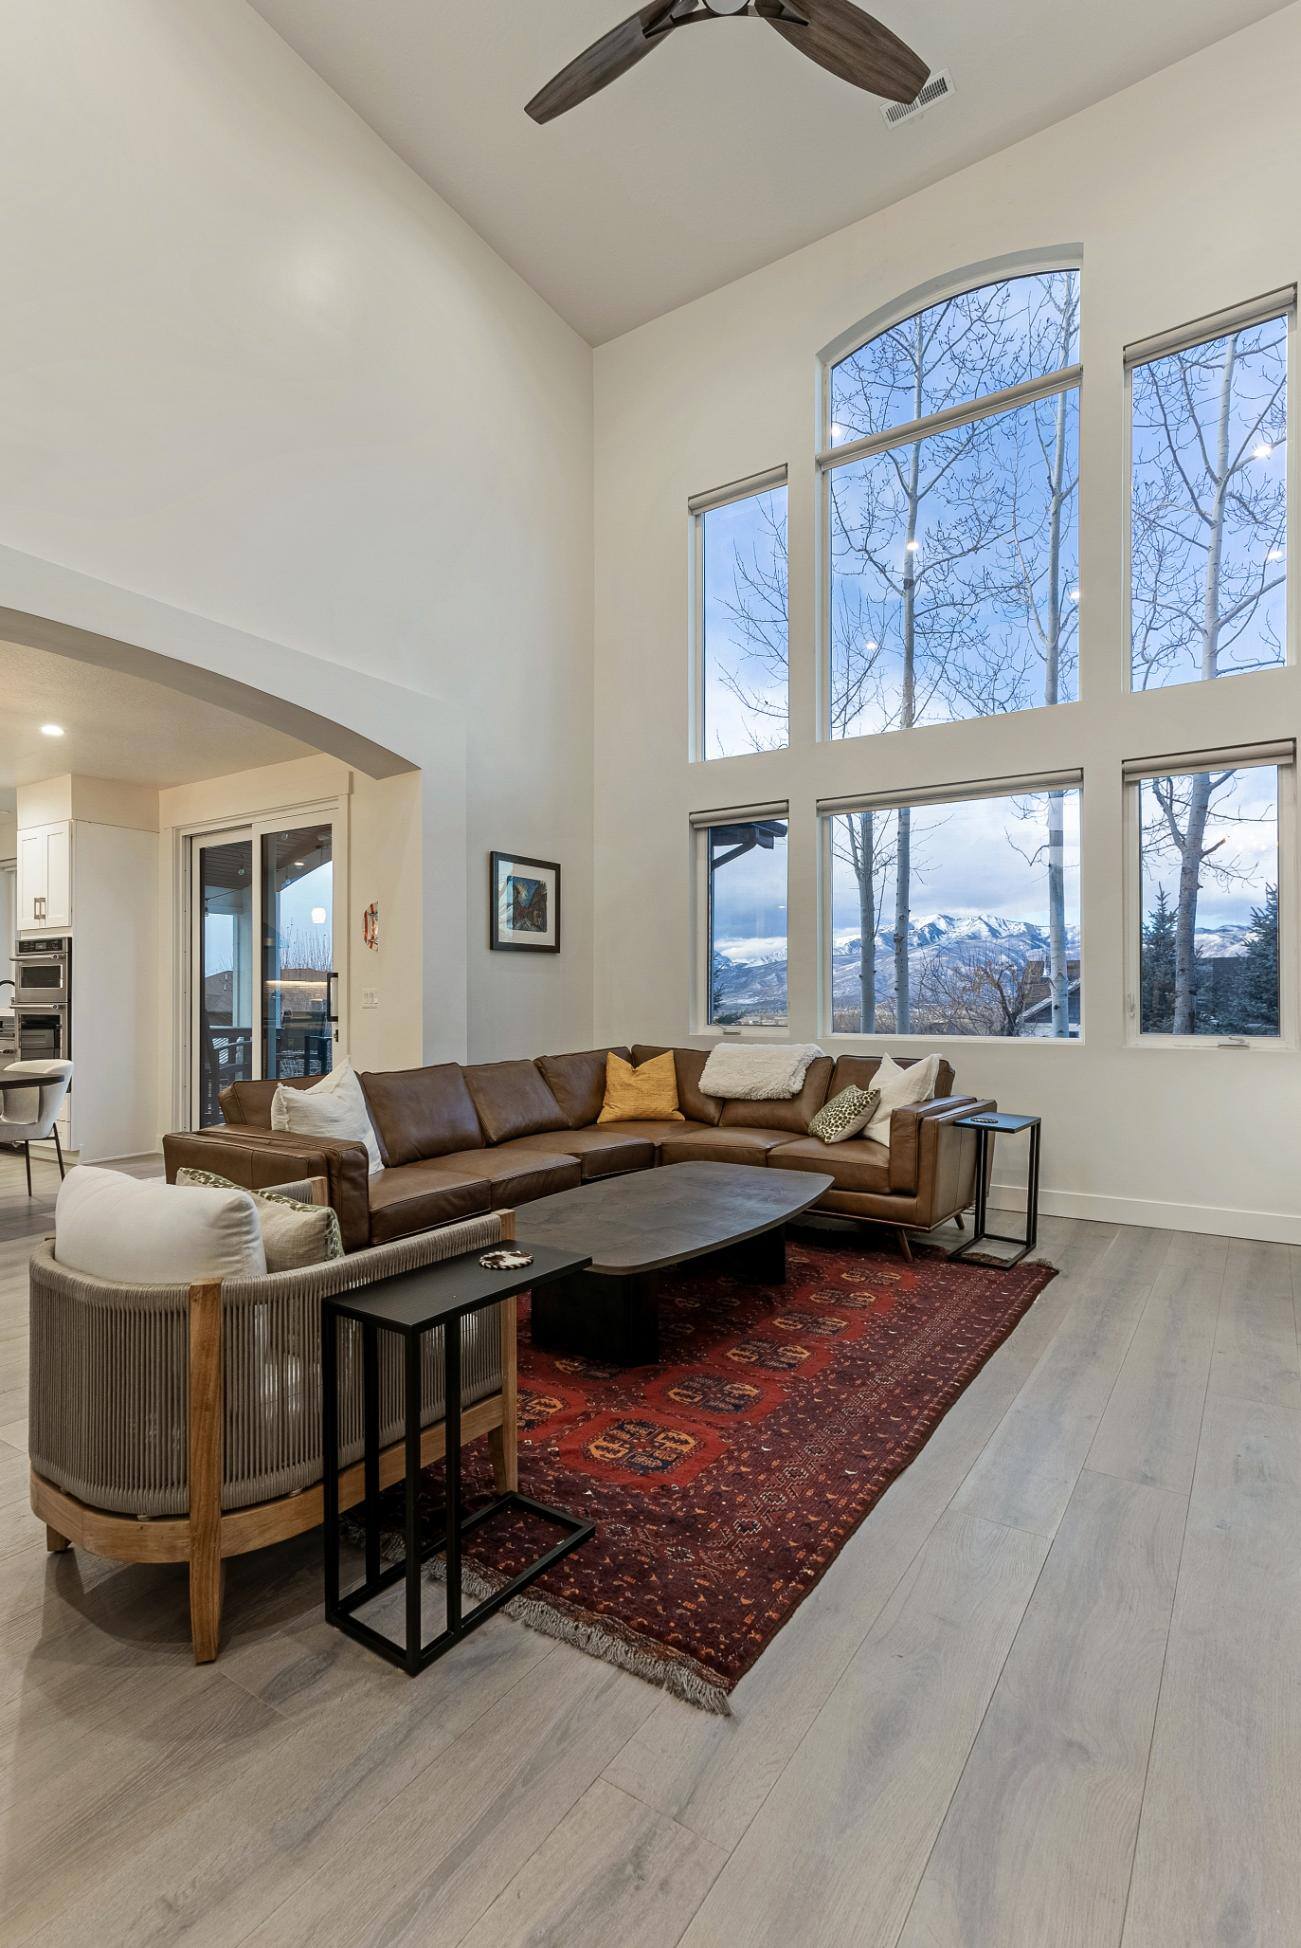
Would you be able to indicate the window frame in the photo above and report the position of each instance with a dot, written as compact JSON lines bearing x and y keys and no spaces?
{"x":702,"y":930}
{"x":963,"y":792}
{"x":1263,"y":310}
{"x":699,"y":506}
{"x":829,"y":458}
{"x":1183,"y":764}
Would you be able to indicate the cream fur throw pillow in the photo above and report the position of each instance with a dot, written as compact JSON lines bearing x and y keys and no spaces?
{"x":900,"y":1088}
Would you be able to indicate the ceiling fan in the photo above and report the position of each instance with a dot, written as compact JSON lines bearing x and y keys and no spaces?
{"x":836,"y":34}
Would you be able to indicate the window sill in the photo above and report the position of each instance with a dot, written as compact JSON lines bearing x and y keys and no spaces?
{"x":1211,"y":1044}
{"x":889,"y":1041}
{"x":716,"y":1034}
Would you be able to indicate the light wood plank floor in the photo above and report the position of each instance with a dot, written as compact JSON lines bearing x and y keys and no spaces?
{"x":1049,"y":1694}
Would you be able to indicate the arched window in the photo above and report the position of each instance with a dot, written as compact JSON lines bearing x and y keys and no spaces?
{"x":951,"y":465}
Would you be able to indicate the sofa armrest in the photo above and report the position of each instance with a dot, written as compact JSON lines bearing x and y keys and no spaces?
{"x":259,"y":1159}
{"x":906,"y":1135}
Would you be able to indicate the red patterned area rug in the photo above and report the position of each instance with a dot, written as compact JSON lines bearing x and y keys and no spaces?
{"x":726,"y":1479}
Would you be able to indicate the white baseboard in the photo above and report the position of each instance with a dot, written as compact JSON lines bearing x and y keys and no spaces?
{"x":1220,"y":1221}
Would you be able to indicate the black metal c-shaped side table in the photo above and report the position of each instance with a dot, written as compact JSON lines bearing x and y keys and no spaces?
{"x":989,"y":1123}
{"x":411,"y":1305}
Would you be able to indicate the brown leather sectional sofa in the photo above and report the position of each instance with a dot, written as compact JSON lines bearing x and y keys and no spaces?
{"x":456,"y":1141}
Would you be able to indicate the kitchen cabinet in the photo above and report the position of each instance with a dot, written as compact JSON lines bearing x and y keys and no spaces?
{"x":45,"y":877}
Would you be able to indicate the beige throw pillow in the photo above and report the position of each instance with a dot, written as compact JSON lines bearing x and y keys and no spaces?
{"x":899,"y":1088}
{"x":335,"y":1106}
{"x":295,"y":1232}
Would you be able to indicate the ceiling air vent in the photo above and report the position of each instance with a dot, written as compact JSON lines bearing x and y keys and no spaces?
{"x":938,"y":88}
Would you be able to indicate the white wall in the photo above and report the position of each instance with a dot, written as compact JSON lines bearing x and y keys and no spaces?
{"x":383,"y":864}
{"x":115,"y":1010}
{"x":252,"y":368}
{"x":1182,"y":204}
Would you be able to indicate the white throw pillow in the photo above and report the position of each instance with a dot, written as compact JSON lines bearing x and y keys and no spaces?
{"x":335,"y":1106}
{"x":899,"y":1089}
{"x":133,"y":1231}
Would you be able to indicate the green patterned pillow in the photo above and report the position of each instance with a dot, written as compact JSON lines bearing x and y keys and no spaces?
{"x":847,"y":1114}
{"x":295,"y":1232}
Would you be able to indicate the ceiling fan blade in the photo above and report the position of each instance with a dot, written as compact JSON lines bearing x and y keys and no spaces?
{"x":604,"y":61}
{"x":843,"y":39}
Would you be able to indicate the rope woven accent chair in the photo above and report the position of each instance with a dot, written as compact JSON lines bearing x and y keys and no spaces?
{"x":182,"y":1423}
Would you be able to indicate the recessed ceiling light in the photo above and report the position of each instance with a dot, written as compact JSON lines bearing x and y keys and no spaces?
{"x":51,"y":730}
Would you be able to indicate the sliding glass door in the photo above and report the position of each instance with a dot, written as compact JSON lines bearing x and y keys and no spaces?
{"x":222,"y":985}
{"x":300,"y":980}
{"x":267,"y":954}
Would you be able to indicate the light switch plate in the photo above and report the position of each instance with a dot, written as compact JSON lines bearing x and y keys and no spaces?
{"x":370,"y":997}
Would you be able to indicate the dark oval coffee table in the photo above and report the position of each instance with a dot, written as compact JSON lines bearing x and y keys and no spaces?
{"x":633,"y":1227}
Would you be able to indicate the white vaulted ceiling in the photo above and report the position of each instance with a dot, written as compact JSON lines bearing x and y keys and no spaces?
{"x":722,"y":150}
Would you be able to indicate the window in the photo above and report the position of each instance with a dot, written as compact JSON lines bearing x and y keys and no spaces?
{"x":951,"y":472}
{"x":958,"y":917}
{"x":743,"y":862}
{"x":1208,"y":883}
{"x":1208,"y":504}
{"x":742,"y":610}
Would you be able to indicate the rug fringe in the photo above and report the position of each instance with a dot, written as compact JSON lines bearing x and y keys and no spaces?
{"x":612,"y":1643}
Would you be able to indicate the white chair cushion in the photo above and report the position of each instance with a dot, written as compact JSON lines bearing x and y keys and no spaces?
{"x":900,"y":1088}
{"x":132,"y":1231}
{"x":335,"y":1106}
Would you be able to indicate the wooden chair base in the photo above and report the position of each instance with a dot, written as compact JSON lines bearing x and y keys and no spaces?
{"x":170,"y":1538}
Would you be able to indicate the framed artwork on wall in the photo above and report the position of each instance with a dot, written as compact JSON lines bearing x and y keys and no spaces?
{"x":524,"y":904}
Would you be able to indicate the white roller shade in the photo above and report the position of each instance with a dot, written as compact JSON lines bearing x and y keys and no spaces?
{"x":1244,"y":757}
{"x":737,"y":490}
{"x":872,"y":801}
{"x":740,"y":815}
{"x":1256,"y":311}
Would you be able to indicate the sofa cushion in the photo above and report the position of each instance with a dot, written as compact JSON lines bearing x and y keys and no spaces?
{"x":421,"y":1113}
{"x":600,"y":1152}
{"x":861,"y":1071}
{"x":134,"y":1231}
{"x":512,"y":1099}
{"x":516,"y":1176}
{"x":578,"y":1082}
{"x":652,"y":1133}
{"x":420,"y":1196}
{"x":855,"y":1164}
{"x":695,"y":1105}
{"x":721,"y":1146}
{"x":794,"y":1114}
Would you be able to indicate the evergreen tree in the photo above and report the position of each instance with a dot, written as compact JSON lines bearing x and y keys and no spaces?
{"x":1156,"y":987}
{"x":1260,"y":991}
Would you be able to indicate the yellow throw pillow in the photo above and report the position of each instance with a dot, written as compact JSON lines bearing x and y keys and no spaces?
{"x":648,"y":1094}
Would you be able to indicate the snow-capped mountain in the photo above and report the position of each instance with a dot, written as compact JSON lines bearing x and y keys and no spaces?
{"x":749,"y":976}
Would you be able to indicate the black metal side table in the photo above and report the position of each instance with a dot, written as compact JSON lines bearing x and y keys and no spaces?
{"x":988,"y":1124}
{"x":410,"y":1306}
